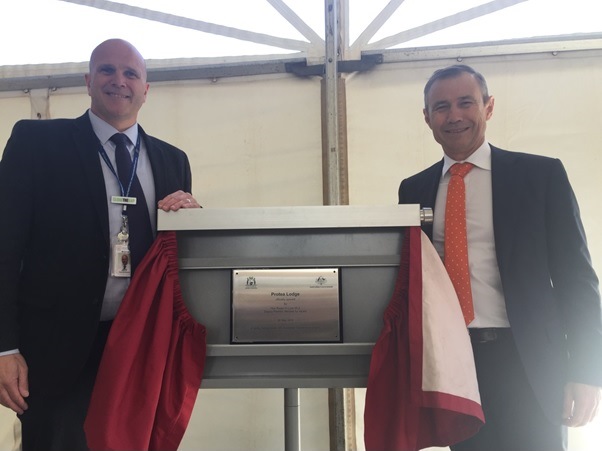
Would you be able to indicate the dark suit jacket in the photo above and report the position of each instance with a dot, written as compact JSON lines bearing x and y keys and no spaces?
{"x":551,"y":290}
{"x":54,"y":242}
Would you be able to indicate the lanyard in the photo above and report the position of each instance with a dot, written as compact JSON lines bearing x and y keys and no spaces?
{"x":105,"y":157}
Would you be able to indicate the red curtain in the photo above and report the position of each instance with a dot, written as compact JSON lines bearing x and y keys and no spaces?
{"x":153,"y":362}
{"x":421,"y":394}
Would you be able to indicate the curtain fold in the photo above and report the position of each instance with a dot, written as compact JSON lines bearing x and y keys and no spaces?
{"x":422,"y":388}
{"x":153,"y":362}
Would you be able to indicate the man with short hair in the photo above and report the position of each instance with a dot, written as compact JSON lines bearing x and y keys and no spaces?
{"x":534,"y":314}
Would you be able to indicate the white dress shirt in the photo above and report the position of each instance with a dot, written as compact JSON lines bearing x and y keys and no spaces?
{"x":487,"y":293}
{"x":116,"y":286}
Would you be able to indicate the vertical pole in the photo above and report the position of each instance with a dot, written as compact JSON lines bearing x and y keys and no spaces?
{"x":330,"y":104}
{"x":336,"y":417}
{"x":334,"y":107}
{"x":292,"y":437}
{"x":39,"y":100}
{"x":334,"y":161}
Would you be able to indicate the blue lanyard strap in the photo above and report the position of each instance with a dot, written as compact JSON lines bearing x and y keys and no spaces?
{"x":105,"y":157}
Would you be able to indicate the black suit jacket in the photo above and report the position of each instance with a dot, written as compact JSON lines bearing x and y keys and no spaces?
{"x":550,"y":288}
{"x":54,"y":242}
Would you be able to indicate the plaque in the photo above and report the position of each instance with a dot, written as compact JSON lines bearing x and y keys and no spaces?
{"x":286,"y":305}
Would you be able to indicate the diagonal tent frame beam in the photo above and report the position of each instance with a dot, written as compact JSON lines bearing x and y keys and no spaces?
{"x":441,"y":24}
{"x":207,"y":27}
{"x":316,"y":44}
{"x":382,"y":17}
{"x":285,"y":11}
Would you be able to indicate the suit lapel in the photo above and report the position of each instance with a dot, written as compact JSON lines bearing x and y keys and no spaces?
{"x":86,"y":144}
{"x":432,"y":185}
{"x":505,"y":211}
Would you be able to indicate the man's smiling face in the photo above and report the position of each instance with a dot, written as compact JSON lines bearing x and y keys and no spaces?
{"x":117,"y":83}
{"x":457,"y":114}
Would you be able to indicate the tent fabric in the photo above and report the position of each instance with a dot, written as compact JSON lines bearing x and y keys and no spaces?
{"x":152,"y":365}
{"x":422,"y":389}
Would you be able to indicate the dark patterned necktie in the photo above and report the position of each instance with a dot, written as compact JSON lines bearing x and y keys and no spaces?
{"x":140,"y":232}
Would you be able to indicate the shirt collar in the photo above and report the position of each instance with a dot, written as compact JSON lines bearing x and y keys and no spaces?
{"x":481,"y":158}
{"x":104,"y":130}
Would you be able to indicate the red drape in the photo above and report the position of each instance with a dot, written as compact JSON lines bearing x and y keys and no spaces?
{"x":153,"y":362}
{"x":422,"y":389}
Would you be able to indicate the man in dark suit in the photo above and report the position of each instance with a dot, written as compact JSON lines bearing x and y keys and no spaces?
{"x":537,"y":327}
{"x":63,"y":241}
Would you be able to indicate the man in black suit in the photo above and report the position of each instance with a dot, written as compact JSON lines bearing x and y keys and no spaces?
{"x":61,"y":252}
{"x":537,"y":328}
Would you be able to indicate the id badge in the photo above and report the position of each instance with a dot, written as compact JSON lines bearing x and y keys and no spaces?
{"x":122,"y":262}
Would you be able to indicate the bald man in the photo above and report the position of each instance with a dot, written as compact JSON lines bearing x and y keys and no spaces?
{"x":64,"y":237}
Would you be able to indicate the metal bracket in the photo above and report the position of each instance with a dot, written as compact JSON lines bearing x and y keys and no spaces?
{"x":367,"y":62}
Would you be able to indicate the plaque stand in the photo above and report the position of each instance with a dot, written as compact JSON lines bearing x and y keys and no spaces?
{"x":363,"y":243}
{"x":292,"y":420}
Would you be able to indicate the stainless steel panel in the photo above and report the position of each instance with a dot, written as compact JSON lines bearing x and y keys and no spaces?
{"x":312,"y":217}
{"x":286,"y":305}
{"x":366,"y":257}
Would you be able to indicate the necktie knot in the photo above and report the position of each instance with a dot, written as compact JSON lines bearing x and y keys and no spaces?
{"x":460,"y":169}
{"x":122,"y":158}
{"x":120,"y":139}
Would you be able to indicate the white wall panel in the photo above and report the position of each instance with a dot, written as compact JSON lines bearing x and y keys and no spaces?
{"x":251,"y":141}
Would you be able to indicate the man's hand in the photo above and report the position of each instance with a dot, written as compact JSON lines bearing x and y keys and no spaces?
{"x":14,"y":386}
{"x":581,"y":403}
{"x":177,"y":200}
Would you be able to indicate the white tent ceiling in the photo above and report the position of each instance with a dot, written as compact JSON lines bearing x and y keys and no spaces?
{"x":57,"y":31}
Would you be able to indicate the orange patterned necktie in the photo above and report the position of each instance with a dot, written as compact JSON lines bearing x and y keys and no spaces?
{"x":456,"y":246}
